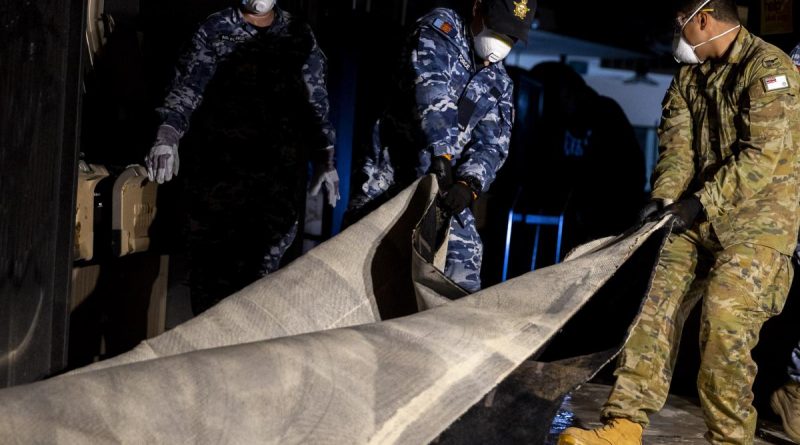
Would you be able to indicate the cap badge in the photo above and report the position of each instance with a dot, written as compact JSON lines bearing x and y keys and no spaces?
{"x":521,"y":9}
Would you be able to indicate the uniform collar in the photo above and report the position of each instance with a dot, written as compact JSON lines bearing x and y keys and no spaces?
{"x":278,"y":24}
{"x":733,"y":56}
{"x":466,"y":33}
{"x":737,"y":49}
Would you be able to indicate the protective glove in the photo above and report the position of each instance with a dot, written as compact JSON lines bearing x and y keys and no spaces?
{"x":457,"y":198}
{"x":443,"y":169}
{"x":330,"y":180}
{"x":652,"y":211}
{"x":685,"y":212}
{"x":163,"y":162}
{"x":325,"y":174}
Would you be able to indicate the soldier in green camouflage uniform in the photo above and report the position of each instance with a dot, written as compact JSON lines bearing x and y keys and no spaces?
{"x":728,"y":172}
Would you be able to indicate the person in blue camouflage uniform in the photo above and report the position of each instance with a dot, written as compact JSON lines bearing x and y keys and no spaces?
{"x":786,"y":400}
{"x":452,"y":116}
{"x":253,"y":86}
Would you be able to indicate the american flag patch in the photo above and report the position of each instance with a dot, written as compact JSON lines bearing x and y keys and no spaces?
{"x":772,"y":83}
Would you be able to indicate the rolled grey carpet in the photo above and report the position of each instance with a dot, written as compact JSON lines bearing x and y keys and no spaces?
{"x":302,"y":356}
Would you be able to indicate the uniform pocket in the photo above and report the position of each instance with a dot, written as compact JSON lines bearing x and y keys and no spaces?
{"x":765,"y":276}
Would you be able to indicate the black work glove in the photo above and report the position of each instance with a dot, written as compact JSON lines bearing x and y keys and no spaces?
{"x":457,"y":198}
{"x":652,"y":211}
{"x":443,"y":169}
{"x":685,"y":212}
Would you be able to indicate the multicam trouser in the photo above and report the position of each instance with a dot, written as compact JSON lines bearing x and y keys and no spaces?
{"x":741,"y":287}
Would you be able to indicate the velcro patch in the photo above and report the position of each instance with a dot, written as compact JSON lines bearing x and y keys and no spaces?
{"x":773,"y":83}
{"x":770,"y":63}
{"x":445,"y":27}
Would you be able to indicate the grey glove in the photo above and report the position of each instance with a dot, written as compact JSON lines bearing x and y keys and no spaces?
{"x":163,"y":162}
{"x":325,"y":174}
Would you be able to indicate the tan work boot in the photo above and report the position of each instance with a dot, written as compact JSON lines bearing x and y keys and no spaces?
{"x":786,"y":403}
{"x":615,"y":432}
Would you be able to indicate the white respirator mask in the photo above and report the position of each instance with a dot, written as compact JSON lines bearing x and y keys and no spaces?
{"x":258,"y":6}
{"x":492,"y":46}
{"x":682,"y":50}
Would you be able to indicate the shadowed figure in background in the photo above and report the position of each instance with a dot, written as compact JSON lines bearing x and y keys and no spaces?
{"x":589,"y":162}
{"x":261,"y":79}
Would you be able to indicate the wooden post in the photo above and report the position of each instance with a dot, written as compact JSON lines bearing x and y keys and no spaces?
{"x":40,"y":90}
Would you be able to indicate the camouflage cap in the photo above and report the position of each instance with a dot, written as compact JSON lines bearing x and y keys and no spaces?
{"x":511,"y":17}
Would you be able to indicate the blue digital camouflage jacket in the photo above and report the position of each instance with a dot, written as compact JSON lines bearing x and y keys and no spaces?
{"x":225,"y":34}
{"x":448,"y":104}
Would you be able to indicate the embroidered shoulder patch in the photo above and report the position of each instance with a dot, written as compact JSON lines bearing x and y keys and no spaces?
{"x":445,"y":27}
{"x":770,"y":63}
{"x":774,"y":83}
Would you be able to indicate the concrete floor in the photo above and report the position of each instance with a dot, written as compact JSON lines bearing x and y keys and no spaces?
{"x":680,"y":422}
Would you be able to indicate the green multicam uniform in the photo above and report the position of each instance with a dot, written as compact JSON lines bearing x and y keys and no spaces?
{"x":728,"y":135}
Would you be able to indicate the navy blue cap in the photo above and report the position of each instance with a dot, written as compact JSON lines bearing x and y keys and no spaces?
{"x":511,"y":17}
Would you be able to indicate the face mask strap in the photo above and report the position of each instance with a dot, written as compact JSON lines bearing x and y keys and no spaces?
{"x":716,"y":37}
{"x":696,"y":11}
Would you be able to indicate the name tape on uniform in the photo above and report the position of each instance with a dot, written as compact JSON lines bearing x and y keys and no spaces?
{"x":463,"y":61}
{"x":772,"y":83}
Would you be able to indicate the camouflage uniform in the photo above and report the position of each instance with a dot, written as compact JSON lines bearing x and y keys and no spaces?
{"x":264,"y":111}
{"x":730,"y":138}
{"x":447,"y":104}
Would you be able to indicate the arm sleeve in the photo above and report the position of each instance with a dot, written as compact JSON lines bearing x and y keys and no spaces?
{"x":315,"y":72}
{"x":765,"y":118}
{"x":675,"y":168}
{"x":433,"y":60}
{"x":194,"y":70}
{"x":491,"y":136}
